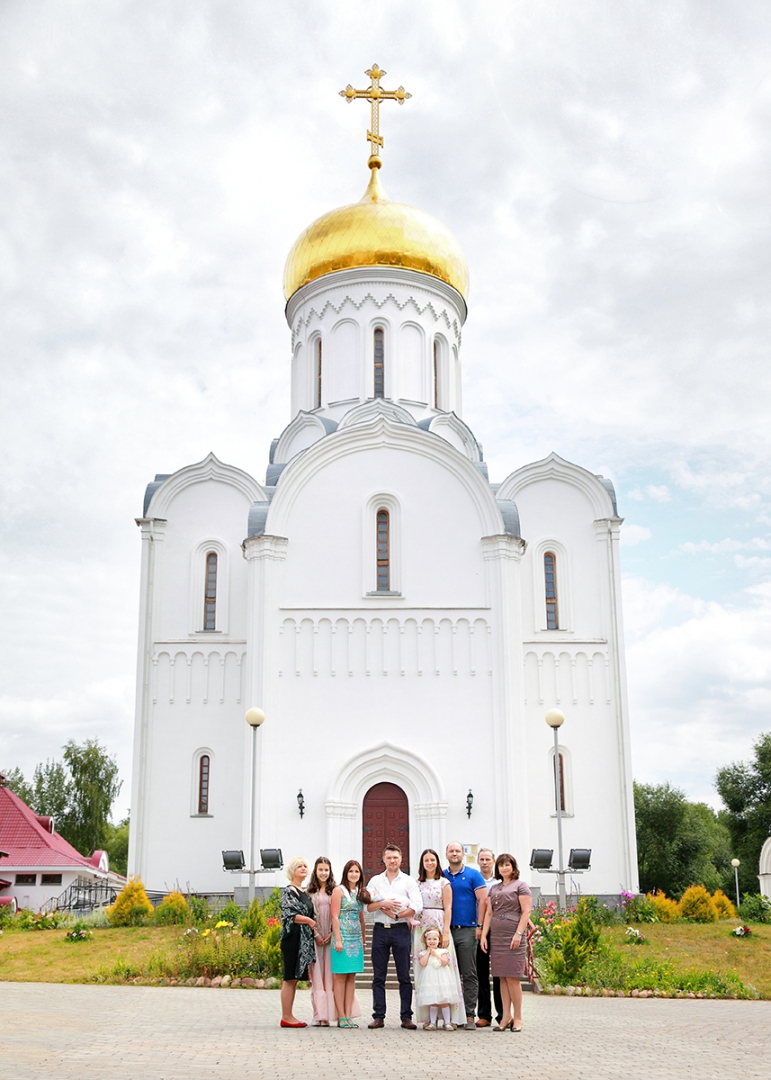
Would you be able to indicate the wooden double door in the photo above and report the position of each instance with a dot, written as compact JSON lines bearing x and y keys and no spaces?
{"x":385,"y":820}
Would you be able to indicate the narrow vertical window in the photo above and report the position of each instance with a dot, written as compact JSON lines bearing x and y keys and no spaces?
{"x":383,"y":558}
{"x":436,"y":374}
{"x":318,"y":373}
{"x":203,"y":784}
{"x":562,"y":782}
{"x":550,"y":583}
{"x":379,"y":366}
{"x":210,"y":599}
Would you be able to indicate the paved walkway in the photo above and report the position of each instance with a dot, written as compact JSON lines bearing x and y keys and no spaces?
{"x":179,"y":1033}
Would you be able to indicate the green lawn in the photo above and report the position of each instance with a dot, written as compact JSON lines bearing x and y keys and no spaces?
{"x":44,"y":956}
{"x":709,"y":945}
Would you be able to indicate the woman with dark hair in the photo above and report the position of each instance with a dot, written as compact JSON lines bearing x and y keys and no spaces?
{"x":504,"y":934}
{"x":320,"y":889}
{"x":436,"y":892}
{"x":297,"y":929}
{"x":349,"y":931}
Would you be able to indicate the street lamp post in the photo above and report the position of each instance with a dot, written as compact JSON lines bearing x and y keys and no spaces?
{"x":736,"y":864}
{"x":555,"y":719}
{"x":254,"y":718}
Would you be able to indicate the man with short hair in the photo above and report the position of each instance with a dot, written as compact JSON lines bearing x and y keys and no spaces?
{"x":469,"y":895}
{"x":486,"y":864}
{"x":395,"y":900}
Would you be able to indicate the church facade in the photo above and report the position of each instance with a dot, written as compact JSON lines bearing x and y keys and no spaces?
{"x":403,"y":621}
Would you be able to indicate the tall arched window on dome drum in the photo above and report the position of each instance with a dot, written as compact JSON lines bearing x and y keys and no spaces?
{"x":563,"y":807}
{"x":383,"y":552}
{"x":379,"y":363}
{"x":318,"y":373}
{"x":204,"y":769}
{"x":550,"y":586}
{"x":436,"y":374}
{"x":210,"y":594}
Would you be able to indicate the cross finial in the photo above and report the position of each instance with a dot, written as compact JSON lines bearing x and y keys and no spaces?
{"x":375,"y":94}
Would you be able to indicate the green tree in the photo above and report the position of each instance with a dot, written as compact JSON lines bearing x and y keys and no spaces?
{"x":93,"y":788}
{"x":14,"y":779}
{"x":51,"y":791}
{"x":745,"y":788}
{"x":679,"y":843}
{"x":117,"y":846}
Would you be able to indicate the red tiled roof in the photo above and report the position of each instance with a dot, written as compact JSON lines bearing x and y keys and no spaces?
{"x":27,"y":842}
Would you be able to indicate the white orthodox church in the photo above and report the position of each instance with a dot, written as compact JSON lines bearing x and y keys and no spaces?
{"x":403,"y":621}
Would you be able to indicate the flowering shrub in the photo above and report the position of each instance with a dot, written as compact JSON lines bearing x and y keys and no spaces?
{"x":755,"y":908}
{"x":696,"y":905}
{"x":741,"y":931}
{"x":632,"y":936}
{"x":636,"y":908}
{"x":43,"y":920}
{"x":79,"y":932}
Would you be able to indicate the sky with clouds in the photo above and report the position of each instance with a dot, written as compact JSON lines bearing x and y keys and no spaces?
{"x":606,"y":167}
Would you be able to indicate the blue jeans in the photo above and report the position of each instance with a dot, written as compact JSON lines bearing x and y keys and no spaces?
{"x":396,"y":940}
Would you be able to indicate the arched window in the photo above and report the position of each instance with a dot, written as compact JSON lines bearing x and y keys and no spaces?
{"x":436,"y":374}
{"x":210,"y":596}
{"x":383,"y":555}
{"x":550,"y":584}
{"x":318,"y":373}
{"x":204,"y":768}
{"x":379,"y":364}
{"x":563,"y":807}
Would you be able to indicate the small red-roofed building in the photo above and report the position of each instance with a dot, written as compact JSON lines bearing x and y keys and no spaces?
{"x":38,"y":866}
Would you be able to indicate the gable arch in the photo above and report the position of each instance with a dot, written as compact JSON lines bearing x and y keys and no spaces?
{"x":554,"y":467}
{"x":211,"y":468}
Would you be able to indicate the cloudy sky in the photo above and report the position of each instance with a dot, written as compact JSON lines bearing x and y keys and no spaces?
{"x":606,"y":167}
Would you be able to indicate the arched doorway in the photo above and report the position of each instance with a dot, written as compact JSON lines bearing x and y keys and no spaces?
{"x":385,"y":817}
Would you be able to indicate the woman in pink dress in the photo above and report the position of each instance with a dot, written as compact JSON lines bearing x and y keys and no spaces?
{"x":320,"y":891}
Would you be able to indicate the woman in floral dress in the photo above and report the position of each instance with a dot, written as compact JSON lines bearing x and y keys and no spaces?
{"x":348,"y":930}
{"x":437,"y":912}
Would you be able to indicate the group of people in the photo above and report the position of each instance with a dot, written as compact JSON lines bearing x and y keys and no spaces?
{"x":457,"y":927}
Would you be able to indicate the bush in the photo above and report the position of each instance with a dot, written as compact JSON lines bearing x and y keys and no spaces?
{"x":199,"y":909}
{"x":636,"y":908}
{"x":80,"y":932}
{"x":571,"y":943}
{"x":755,"y":908}
{"x":725,"y":909}
{"x":231,"y":912}
{"x":132,"y":907}
{"x":29,"y":920}
{"x":602,"y":914}
{"x":667,"y":911}
{"x":696,"y":905}
{"x":171,"y":910}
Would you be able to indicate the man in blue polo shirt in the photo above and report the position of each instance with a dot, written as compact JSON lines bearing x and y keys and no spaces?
{"x":469,"y":895}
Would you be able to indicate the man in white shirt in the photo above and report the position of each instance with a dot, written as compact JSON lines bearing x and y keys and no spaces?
{"x":395,"y":900}
{"x":486,"y":864}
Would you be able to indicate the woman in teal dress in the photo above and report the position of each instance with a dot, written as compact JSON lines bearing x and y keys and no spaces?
{"x":348,"y":929}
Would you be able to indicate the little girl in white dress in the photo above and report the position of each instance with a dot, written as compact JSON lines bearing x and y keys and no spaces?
{"x":435,"y":982}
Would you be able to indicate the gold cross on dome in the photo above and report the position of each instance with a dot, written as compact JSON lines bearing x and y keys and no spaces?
{"x":375,"y":94}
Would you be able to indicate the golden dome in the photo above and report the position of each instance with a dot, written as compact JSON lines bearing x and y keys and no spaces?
{"x":375,"y":232}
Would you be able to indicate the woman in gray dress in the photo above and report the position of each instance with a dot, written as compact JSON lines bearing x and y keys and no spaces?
{"x":504,"y":935}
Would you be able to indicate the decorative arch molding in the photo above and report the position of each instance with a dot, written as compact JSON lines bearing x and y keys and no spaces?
{"x":211,"y":468}
{"x":198,"y":586}
{"x":300,"y":433}
{"x":396,"y":765}
{"x":382,"y":431}
{"x":554,"y":467}
{"x":536,"y":551}
{"x":371,"y":410}
{"x":195,"y":785}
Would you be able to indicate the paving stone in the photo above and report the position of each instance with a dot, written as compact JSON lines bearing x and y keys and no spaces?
{"x":181,"y":1033}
